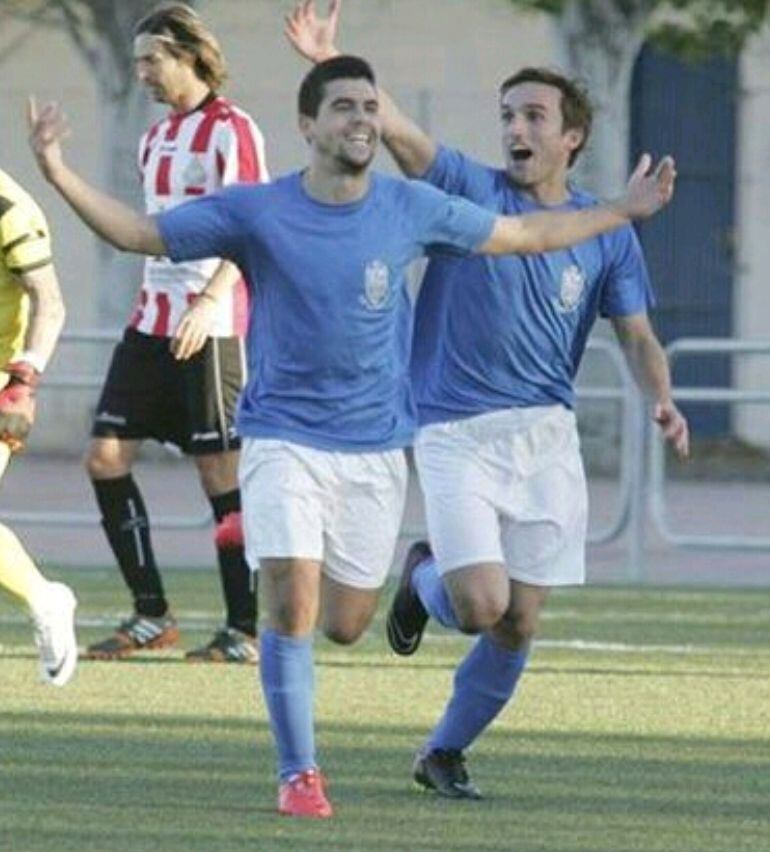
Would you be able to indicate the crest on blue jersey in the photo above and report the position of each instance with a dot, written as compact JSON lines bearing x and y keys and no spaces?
{"x":376,"y":286}
{"x":573,"y":282}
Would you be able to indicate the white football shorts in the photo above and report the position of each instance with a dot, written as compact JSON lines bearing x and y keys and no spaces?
{"x":341,"y":509}
{"x":507,"y":487}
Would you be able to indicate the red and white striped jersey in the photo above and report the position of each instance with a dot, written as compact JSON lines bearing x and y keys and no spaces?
{"x":181,"y":157}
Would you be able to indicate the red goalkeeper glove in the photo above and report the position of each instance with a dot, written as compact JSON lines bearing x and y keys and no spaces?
{"x":17,"y":404}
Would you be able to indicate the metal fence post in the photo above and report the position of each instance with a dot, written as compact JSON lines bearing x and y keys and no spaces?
{"x":637,"y":508}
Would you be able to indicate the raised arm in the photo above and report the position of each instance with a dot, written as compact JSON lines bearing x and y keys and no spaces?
{"x":112,"y":220}
{"x":315,"y":39}
{"x":648,"y":363}
{"x":647,"y":192}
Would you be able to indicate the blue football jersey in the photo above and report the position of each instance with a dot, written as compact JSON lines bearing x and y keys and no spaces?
{"x":330,"y":326}
{"x":500,"y":332}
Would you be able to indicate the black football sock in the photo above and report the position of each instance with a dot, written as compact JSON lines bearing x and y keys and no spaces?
{"x":234,"y":573}
{"x":125,"y":522}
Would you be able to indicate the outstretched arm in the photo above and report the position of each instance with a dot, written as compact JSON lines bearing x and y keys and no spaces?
{"x":110,"y":219}
{"x":315,"y":39}
{"x":649,"y":366}
{"x":646,"y":193}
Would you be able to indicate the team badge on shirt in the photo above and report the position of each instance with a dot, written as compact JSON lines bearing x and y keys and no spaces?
{"x":194,"y":173}
{"x":573,"y":282}
{"x":376,"y":286}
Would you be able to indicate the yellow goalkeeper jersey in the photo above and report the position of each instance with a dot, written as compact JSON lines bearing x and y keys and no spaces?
{"x":25,"y":245}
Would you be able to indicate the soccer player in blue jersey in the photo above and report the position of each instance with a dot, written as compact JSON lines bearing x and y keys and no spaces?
{"x":328,"y":406}
{"x":497,"y":344}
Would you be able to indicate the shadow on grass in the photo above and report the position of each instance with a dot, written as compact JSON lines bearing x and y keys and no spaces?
{"x":107,"y":782}
{"x":447,"y":663}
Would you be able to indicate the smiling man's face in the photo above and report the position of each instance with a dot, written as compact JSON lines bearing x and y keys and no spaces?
{"x":346,"y":131}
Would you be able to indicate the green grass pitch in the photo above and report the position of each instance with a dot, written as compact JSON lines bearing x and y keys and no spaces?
{"x":642,"y":723}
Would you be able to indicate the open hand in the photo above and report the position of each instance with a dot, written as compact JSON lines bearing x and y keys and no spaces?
{"x":311,"y":36}
{"x":47,"y":128}
{"x":674,"y":427}
{"x":194,"y":329}
{"x":648,"y":190}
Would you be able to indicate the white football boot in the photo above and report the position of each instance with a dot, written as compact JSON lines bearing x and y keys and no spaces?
{"x":54,"y":621}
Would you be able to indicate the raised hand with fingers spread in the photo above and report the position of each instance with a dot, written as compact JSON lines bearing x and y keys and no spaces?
{"x":311,"y":36}
{"x":47,"y":128}
{"x":648,"y":190}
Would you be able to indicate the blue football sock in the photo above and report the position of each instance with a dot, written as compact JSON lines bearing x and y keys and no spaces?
{"x":483,"y":683}
{"x":286,"y":670}
{"x":431,"y":591}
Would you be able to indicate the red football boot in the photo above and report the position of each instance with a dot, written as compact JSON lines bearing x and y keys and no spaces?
{"x":304,"y":795}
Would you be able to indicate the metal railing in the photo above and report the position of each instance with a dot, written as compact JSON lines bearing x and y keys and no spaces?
{"x":628,"y":505}
{"x":92,"y":381}
{"x":627,"y":395}
{"x":658,"y":503}
{"x":631,"y":505}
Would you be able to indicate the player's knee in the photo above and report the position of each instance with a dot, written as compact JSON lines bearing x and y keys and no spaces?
{"x":292,"y":616}
{"x":516,"y":629}
{"x":101,"y":467}
{"x":344,"y":627}
{"x":343,"y":634}
{"x":229,"y":532}
{"x":480,"y":610}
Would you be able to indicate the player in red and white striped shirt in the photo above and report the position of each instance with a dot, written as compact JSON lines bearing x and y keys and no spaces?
{"x":183,"y":156}
{"x":204,"y":143}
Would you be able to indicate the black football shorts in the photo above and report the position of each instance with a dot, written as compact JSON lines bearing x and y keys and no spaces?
{"x":149,"y":394}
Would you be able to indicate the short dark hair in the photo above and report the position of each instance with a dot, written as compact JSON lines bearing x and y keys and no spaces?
{"x":311,"y":91}
{"x":184,"y":34}
{"x":576,"y":110}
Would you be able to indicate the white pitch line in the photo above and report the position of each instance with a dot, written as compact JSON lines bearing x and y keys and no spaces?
{"x":192,"y":620}
{"x":621,"y":647}
{"x":203,"y":621}
{"x":624,"y":647}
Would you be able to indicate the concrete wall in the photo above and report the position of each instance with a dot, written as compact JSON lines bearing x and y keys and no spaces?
{"x":442,"y":59}
{"x":752,"y":283}
{"x":41,"y":62}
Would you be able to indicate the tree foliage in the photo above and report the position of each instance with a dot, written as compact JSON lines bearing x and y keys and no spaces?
{"x":689,"y":29}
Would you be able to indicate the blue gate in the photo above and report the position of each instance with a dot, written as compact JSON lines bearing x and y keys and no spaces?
{"x":689,"y":110}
